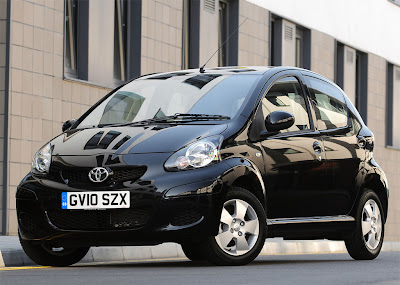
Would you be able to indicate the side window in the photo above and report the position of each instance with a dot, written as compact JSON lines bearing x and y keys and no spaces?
{"x":286,"y":95}
{"x":329,"y":104}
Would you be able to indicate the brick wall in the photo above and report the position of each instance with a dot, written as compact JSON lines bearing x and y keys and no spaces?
{"x":40,"y":99}
{"x":323,"y":54}
{"x":253,"y":35}
{"x":387,"y":158}
{"x":161,"y":36}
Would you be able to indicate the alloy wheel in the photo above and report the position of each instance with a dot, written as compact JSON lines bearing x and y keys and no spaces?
{"x":239,"y":227}
{"x":371,"y":224}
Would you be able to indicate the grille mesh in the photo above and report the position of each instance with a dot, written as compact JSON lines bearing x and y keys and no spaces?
{"x":186,"y":218}
{"x":119,"y":174}
{"x":99,"y":219}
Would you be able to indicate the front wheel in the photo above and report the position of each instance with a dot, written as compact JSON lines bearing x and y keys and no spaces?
{"x":242,"y":230}
{"x":44,"y":254}
{"x":367,"y":239}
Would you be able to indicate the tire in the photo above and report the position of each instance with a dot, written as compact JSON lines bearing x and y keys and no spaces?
{"x":193,"y":251}
{"x":241,"y":234}
{"x":47,"y":256}
{"x":366,"y":241}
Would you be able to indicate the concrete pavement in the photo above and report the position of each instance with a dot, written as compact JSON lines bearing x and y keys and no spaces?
{"x":11,"y":253}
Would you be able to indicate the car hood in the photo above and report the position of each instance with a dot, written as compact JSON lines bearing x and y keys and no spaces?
{"x":131,"y":139}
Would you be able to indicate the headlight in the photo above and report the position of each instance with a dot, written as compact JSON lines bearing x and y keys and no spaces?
{"x":199,"y":154}
{"x":42,"y":159}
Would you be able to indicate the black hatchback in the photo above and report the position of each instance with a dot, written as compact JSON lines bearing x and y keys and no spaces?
{"x":216,"y":160}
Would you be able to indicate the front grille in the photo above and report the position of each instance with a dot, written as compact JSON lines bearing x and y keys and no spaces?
{"x":100,"y":219}
{"x":186,"y":218}
{"x":119,"y":174}
{"x":27,"y":221}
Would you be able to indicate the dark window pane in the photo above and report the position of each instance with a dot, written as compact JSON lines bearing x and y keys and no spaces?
{"x":329,"y":104}
{"x":120,"y":39}
{"x":286,"y":95}
{"x":71,"y":8}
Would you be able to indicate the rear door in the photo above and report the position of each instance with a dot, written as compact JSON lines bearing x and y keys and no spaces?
{"x":344,"y":148}
{"x":295,"y":173}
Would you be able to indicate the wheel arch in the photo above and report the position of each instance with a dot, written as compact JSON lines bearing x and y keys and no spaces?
{"x":377,"y":183}
{"x":249,"y":177}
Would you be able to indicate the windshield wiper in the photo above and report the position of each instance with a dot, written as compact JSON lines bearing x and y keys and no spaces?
{"x":178,"y":117}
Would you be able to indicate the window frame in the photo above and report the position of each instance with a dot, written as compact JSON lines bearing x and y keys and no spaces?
{"x":311,"y":93}
{"x":311,"y":115}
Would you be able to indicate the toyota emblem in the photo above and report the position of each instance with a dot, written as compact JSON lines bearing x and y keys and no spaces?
{"x":98,"y":174}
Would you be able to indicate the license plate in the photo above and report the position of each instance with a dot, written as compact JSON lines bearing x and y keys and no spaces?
{"x":95,"y":200}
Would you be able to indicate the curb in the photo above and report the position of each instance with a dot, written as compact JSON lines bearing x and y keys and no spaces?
{"x":17,"y":257}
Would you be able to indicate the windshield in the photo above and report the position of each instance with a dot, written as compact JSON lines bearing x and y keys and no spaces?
{"x":168,"y":94}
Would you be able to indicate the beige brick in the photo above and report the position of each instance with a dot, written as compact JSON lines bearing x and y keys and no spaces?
{"x":28,"y":36}
{"x":47,"y":108}
{"x":48,"y":63}
{"x":37,"y":84}
{"x":26,"y":154}
{"x":37,"y":107}
{"x":27,"y":82}
{"x":59,"y":5}
{"x":57,"y":110}
{"x":18,"y":10}
{"x":3,"y":32}
{"x":38,"y":61}
{"x":75,"y":110}
{"x":26,"y":109}
{"x":15,"y":127}
{"x":2,"y":79}
{"x":16,"y":80}
{"x":48,"y":40}
{"x":66,"y":92}
{"x":38,"y":38}
{"x":58,"y":22}
{"x":37,"y":131}
{"x":17,"y":34}
{"x":58,"y":66}
{"x":27,"y":56}
{"x":28,"y":13}
{"x":66,"y":111}
{"x":47,"y":130}
{"x":49,"y":3}
{"x":16,"y":103}
{"x":58,"y":88}
{"x":38,"y":16}
{"x":76,"y":93}
{"x":15,"y":176}
{"x":15,"y":150}
{"x":58,"y":44}
{"x":12,"y":223}
{"x":3,"y":10}
{"x":16,"y":58}
{"x":11,"y":197}
{"x":47,"y":86}
{"x":48,"y":19}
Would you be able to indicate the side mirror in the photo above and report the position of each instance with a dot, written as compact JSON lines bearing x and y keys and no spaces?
{"x":68,"y":124}
{"x":279,"y":120}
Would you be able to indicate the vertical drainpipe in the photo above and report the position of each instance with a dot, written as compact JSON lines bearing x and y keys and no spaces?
{"x":6,"y":100}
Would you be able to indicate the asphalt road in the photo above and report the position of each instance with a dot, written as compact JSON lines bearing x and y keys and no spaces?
{"x":287,"y":269}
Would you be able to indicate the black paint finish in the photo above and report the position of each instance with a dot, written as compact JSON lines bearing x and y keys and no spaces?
{"x":305,"y":173}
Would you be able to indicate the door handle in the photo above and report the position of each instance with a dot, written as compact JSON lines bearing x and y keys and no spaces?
{"x":317,"y":148}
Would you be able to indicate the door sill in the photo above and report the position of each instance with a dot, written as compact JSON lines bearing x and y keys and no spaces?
{"x":302,"y":220}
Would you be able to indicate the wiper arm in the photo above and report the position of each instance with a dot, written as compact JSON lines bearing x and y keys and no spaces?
{"x":200,"y":117}
{"x":178,"y":117}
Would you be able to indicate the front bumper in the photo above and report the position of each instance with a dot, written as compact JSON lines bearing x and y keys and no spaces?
{"x":156,"y":215}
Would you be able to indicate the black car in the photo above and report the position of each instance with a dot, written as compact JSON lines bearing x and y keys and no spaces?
{"x":216,"y":160}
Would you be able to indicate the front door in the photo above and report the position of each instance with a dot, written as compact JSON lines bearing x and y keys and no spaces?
{"x":295,"y":173}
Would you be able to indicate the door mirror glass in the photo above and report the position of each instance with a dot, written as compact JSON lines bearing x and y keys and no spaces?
{"x":68,"y":124}
{"x":279,"y":120}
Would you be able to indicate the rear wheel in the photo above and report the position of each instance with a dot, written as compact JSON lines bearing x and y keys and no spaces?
{"x":47,"y":255}
{"x":242,"y":230}
{"x":367,"y":239}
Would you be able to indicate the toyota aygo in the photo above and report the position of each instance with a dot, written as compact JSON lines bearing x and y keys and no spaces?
{"x":216,"y":160}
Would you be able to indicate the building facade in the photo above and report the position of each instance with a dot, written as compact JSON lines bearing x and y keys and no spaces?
{"x":58,"y":57}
